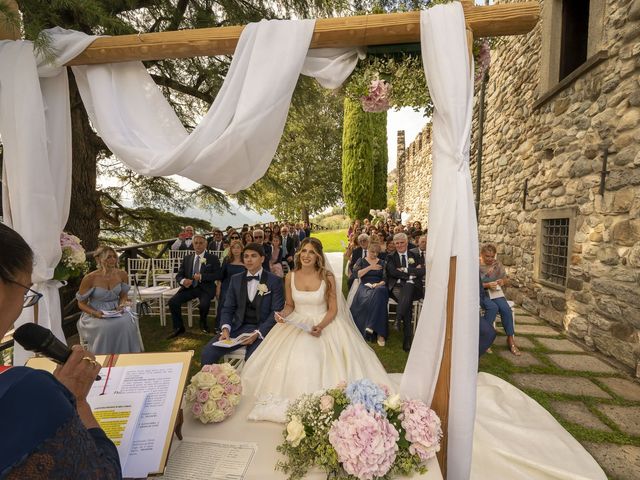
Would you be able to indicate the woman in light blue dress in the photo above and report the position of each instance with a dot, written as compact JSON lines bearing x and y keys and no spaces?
{"x":105,"y":290}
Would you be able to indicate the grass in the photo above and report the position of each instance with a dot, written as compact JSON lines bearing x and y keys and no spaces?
{"x":331,"y":239}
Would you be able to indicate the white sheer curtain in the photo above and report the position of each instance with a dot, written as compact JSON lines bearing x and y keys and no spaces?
{"x":452,"y":232}
{"x":36,"y":133}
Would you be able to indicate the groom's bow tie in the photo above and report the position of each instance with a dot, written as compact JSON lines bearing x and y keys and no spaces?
{"x":253,"y":277}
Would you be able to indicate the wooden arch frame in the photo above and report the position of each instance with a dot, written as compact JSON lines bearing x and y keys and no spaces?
{"x":366,"y":30}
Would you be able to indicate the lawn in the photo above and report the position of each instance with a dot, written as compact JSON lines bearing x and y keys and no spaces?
{"x":331,"y":239}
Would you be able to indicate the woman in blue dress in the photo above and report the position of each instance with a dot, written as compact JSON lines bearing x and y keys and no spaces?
{"x":106,"y":290}
{"x":49,"y":431}
{"x":369,"y":307}
{"x":231,"y":264}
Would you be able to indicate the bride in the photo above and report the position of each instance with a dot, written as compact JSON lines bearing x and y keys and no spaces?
{"x":315,"y":344}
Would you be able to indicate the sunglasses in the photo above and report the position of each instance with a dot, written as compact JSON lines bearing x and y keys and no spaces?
{"x":235,"y":237}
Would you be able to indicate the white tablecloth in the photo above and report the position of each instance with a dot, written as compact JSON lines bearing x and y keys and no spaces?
{"x":268,"y":436}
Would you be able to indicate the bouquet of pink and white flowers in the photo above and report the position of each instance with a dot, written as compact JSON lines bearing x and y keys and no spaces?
{"x":214,"y":392}
{"x":378,"y":98}
{"x":359,"y":431}
{"x":73,"y":262}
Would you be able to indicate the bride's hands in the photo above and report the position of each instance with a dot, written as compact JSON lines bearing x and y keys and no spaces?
{"x":316,"y":331}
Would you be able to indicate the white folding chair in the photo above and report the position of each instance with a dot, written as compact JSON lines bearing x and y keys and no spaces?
{"x":179,"y":254}
{"x":163,"y":271}
{"x":236,"y":358}
{"x":140,"y":279}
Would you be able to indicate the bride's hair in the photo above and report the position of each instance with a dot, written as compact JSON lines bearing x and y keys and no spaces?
{"x":320,"y":266}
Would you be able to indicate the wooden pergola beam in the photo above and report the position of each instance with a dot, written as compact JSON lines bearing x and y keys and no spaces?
{"x":383,"y":29}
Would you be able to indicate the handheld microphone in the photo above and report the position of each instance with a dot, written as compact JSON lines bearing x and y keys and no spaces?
{"x":36,"y":338}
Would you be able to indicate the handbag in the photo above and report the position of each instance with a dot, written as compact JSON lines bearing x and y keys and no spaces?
{"x":142,"y":306}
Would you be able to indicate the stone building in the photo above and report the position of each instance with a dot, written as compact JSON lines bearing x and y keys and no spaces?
{"x":560,"y":170}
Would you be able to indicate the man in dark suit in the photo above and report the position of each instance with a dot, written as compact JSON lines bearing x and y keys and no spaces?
{"x":216,"y":243}
{"x":258,"y":237}
{"x":359,"y":252}
{"x":249,"y":307}
{"x":290,"y":244}
{"x":404,"y":269}
{"x":197,"y":278}
{"x":421,"y":251}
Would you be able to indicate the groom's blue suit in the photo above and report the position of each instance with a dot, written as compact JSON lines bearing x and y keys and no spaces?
{"x":244,"y":315}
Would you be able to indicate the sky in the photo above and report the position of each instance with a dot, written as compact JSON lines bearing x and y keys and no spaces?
{"x":404,"y":119}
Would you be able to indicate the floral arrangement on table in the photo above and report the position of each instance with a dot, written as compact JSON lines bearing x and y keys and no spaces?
{"x":358,"y":431}
{"x":73,"y":262}
{"x":214,"y":392}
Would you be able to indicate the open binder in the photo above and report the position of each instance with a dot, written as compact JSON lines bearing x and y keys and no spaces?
{"x":166,"y":375}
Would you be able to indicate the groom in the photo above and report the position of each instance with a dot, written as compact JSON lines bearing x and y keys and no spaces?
{"x":251,"y":302}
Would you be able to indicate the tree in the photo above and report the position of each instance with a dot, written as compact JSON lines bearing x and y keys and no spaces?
{"x":380,"y":159}
{"x":189,"y":84}
{"x":357,"y":160}
{"x":304,"y":177}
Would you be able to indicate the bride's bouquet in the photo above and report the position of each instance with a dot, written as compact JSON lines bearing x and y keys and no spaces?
{"x":73,"y":262}
{"x":214,"y":392}
{"x":358,"y":431}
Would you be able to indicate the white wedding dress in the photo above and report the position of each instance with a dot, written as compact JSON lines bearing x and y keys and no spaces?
{"x":290,"y":361}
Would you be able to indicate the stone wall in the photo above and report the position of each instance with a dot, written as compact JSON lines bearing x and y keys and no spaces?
{"x":557,"y":146}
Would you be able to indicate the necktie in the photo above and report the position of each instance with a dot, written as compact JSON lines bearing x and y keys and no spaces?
{"x":364,"y":253}
{"x":196,"y":269}
{"x":403,"y":260}
{"x":253,"y":277}
{"x":422,"y":254}
{"x":284,"y":247}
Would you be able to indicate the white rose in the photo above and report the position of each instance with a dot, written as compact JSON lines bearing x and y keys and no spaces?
{"x":191,"y":392}
{"x":209,"y":407}
{"x":204,"y":380}
{"x":295,"y":431}
{"x":216,"y":392}
{"x":227,"y":369}
{"x":216,"y":416}
{"x":393,"y":402}
{"x":234,"y":399}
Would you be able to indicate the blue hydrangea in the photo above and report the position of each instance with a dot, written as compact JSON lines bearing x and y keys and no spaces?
{"x":367,"y":393}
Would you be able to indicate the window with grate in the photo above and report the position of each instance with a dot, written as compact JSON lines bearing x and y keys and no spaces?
{"x":555,"y":250}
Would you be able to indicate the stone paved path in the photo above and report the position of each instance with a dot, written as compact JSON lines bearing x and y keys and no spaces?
{"x":594,"y":399}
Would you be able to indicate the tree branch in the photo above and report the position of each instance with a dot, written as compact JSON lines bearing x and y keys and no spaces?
{"x":179,"y":87}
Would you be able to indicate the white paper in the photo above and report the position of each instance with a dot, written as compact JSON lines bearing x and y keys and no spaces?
{"x":199,"y":459}
{"x":160,"y":383}
{"x":302,"y":326}
{"x":118,"y":416}
{"x":495,"y":292}
{"x":232,"y":342}
{"x":111,"y":313}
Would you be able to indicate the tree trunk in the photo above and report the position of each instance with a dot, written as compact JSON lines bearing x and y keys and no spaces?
{"x":84,"y":220}
{"x":305,"y":214}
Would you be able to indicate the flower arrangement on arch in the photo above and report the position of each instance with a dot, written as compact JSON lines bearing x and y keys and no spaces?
{"x":358,"y":431}
{"x":73,"y":262}
{"x":378,"y":99}
{"x":213,"y":393}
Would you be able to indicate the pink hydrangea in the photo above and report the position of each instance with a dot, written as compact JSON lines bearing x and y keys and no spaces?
{"x":423,"y":429}
{"x":379,"y":97}
{"x":366,"y":443}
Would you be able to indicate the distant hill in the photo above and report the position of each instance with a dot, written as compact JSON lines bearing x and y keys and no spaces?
{"x":237,"y":217}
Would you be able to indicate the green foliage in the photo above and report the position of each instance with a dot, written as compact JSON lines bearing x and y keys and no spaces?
{"x":304,"y":177}
{"x":357,"y":160}
{"x":332,"y":222}
{"x":380,"y":159}
{"x":392,"y":197}
{"x":331,"y":240}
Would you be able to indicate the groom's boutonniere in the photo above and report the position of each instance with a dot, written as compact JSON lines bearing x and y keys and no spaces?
{"x":411,"y":261}
{"x":263,"y":289}
{"x":203,"y":261}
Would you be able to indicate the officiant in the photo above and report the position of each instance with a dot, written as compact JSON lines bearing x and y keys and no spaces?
{"x":197,"y":278}
{"x":249,"y":306}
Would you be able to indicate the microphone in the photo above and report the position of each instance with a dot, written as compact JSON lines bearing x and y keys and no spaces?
{"x":36,"y":338}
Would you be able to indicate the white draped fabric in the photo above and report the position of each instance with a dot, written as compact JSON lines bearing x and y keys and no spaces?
{"x":452,"y":233}
{"x":235,"y":142}
{"x":36,"y":135}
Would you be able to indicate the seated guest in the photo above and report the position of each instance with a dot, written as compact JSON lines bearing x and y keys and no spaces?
{"x":247,"y":237}
{"x":184,"y":240}
{"x":258,"y":237}
{"x":276,"y":230}
{"x":301,"y":233}
{"x":233,"y":235}
{"x":391,"y":247}
{"x":106,"y":289}
{"x":231,"y":265}
{"x":404,"y":269}
{"x":249,"y":306}
{"x":421,"y":250}
{"x":487,"y":332}
{"x":494,"y":277}
{"x":275,"y":262}
{"x":307,"y":229}
{"x":290,"y":244}
{"x":197,"y":278}
{"x":359,"y":252}
{"x":49,"y":429}
{"x":216,"y":243}
{"x":369,"y":307}
{"x":268,"y":234}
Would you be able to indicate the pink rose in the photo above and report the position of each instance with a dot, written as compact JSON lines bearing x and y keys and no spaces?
{"x":223,"y":379}
{"x":215,"y":368}
{"x":229,"y":389}
{"x":237,"y":389}
{"x":228,"y":411}
{"x":196,"y":409}
{"x":202,"y":395}
{"x":207,"y":368}
{"x":223,"y":403}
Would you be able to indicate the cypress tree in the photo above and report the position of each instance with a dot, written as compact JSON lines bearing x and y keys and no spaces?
{"x":380,"y":159}
{"x":357,"y":160}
